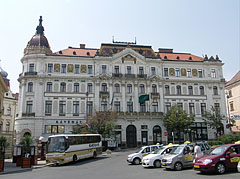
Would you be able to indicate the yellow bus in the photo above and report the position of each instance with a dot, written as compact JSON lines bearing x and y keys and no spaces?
{"x":64,"y":148}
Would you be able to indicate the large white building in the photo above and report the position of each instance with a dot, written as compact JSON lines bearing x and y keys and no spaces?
{"x":57,"y":88}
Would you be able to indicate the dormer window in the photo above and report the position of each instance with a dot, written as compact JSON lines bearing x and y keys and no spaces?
{"x":74,"y":53}
{"x":60,"y":52}
{"x":165,"y":57}
{"x":178,"y":58}
{"x":88,"y":54}
{"x":190,"y":58}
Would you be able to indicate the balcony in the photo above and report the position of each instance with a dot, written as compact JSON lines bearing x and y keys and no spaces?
{"x":30,"y":73}
{"x":28,"y":114}
{"x":142,"y":75}
{"x":103,"y":93}
{"x":117,"y":75}
{"x":130,"y":75}
{"x":154,"y":94}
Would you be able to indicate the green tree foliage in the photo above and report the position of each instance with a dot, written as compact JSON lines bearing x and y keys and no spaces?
{"x":3,"y":145}
{"x":177,"y":120}
{"x":214,"y":119}
{"x":102,"y":123}
{"x":26,"y":143}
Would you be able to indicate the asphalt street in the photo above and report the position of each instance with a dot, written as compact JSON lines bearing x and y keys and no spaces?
{"x":112,"y":166}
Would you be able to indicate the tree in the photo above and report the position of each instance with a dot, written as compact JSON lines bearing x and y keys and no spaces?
{"x":26,"y":143}
{"x":177,"y":120}
{"x":3,"y":145}
{"x":102,"y":123}
{"x":214,"y":119}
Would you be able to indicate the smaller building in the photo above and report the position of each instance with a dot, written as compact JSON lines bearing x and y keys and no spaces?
{"x":233,"y":101}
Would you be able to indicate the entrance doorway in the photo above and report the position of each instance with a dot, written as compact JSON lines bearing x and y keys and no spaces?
{"x":131,"y":136}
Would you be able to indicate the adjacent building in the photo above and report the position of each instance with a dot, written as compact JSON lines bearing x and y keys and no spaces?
{"x":59,"y":90}
{"x":233,"y":101}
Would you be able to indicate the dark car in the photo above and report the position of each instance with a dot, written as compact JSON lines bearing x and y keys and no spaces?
{"x":220,"y":159}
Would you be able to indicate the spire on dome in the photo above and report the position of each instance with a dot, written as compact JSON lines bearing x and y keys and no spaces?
{"x":40,"y":28}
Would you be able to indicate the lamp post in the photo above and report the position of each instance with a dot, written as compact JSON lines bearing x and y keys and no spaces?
{"x":87,"y":107}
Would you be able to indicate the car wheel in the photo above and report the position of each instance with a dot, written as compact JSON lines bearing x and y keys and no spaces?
{"x":157,"y":164}
{"x":136,"y":161}
{"x":220,"y":168}
{"x":178,"y":166}
{"x":74,"y":159}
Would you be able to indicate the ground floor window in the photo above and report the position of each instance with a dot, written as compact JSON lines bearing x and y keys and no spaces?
{"x":199,"y":131}
{"x":54,"y":129}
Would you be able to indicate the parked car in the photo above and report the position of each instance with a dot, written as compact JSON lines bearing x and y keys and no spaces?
{"x":136,"y":157}
{"x":222,"y":158}
{"x":154,"y":159}
{"x":179,"y":158}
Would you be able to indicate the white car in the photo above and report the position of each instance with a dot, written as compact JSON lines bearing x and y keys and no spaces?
{"x":136,"y":157}
{"x":154,"y":159}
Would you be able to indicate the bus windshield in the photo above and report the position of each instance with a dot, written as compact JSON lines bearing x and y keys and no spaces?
{"x":57,"y":144}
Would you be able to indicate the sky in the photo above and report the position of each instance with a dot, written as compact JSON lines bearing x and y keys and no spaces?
{"x":192,"y":26}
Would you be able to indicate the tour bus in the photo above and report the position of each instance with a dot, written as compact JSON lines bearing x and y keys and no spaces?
{"x":64,"y":148}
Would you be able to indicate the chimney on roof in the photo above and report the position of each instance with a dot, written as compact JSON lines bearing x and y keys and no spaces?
{"x":165,"y":50}
{"x":82,"y":46}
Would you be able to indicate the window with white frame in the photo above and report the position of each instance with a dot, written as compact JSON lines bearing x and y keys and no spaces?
{"x":203,"y":108}
{"x":129,"y":88}
{"x":30,"y":87}
{"x":142,"y":89}
{"x":201,"y":88}
{"x":154,"y":88}
{"x":153,"y":70}
{"x":180,"y":106}
{"x":165,"y":71}
{"x":215,"y":90}
{"x":90,"y":69}
{"x":50,"y":68}
{"x":76,"y":88}
{"x":141,"y":71}
{"x":191,"y":109}
{"x":117,"y":88}
{"x":116,"y":69}
{"x":200,"y":73}
{"x":155,"y":107}
{"x":167,"y":107}
{"x":62,"y":107}
{"x":177,"y":72}
{"x":76,"y":69}
{"x":190,"y":90}
{"x":129,"y":70}
{"x":89,"y":87}
{"x":63,"y":68}
{"x":63,"y":87}
{"x":104,"y":87}
{"x":179,"y":90}
{"x":213,"y":73}
{"x":142,"y":107}
{"x":75,"y":107}
{"x":103,"y":105}
{"x":189,"y":72}
{"x":129,"y":106}
{"x":31,"y":67}
{"x":48,"y":107}
{"x":49,"y":87}
{"x":104,"y":69}
{"x":29,"y":107}
{"x":117,"y":106}
{"x":167,"y":89}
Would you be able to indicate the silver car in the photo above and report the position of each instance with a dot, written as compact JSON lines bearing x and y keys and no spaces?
{"x":179,"y":158}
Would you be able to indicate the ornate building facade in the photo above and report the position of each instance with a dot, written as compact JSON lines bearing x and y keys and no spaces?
{"x":59,"y":90}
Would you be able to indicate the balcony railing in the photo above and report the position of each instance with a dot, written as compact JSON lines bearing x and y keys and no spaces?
{"x":118,"y":75}
{"x":104,"y":93}
{"x":142,"y":75}
{"x":130,"y":75}
{"x":154,"y":94}
{"x":30,"y":73}
{"x":28,"y":114}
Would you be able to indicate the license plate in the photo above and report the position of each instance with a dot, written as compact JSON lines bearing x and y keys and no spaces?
{"x":163,"y":163}
{"x":196,"y":166}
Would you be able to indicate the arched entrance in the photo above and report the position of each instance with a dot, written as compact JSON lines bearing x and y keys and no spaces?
{"x":131,"y":136}
{"x":157,"y":134}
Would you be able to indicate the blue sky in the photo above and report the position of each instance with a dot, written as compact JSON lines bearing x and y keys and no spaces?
{"x":198,"y":27}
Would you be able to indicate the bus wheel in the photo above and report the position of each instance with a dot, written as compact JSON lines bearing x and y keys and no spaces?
{"x":74,"y":159}
{"x":94,"y":154}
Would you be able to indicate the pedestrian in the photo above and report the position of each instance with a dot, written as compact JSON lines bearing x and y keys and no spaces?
{"x":197,"y":151}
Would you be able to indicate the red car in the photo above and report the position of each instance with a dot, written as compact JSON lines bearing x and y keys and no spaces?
{"x":221,"y":158}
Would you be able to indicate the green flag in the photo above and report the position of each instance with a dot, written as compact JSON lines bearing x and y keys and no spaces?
{"x":143,"y":98}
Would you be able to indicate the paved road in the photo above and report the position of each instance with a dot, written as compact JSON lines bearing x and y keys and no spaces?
{"x":111,"y":167}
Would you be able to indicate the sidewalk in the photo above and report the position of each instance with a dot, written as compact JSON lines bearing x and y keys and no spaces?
{"x":10,"y":167}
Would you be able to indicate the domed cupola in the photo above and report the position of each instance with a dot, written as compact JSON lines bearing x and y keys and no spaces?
{"x":38,"y":43}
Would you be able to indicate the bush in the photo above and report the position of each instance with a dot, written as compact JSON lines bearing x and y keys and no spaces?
{"x":225,"y":139}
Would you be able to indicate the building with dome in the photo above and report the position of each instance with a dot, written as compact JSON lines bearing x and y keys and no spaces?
{"x":60,"y":89}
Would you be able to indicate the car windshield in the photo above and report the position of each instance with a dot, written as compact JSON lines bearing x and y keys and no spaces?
{"x":140,"y":150}
{"x":177,"y":150}
{"x":56,"y":144}
{"x":219,"y":150}
{"x":159,"y":151}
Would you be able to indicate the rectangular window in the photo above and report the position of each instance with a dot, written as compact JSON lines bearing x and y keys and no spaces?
{"x":129,"y":106}
{"x":90,"y":69}
{"x":191,"y":109}
{"x":141,"y":72}
{"x":155,"y":107}
{"x":129,"y":88}
{"x":75,"y":107}
{"x":29,"y":107}
{"x":203,"y":108}
{"x":117,"y":106}
{"x":103,"y":105}
{"x":76,"y":88}
{"x":62,"y":107}
{"x":189,"y":72}
{"x":177,"y":72}
{"x":48,"y":107}
{"x":89,"y":107}
{"x":129,"y":70}
{"x":167,"y":89}
{"x":142,"y":107}
{"x":50,"y":68}
{"x":153,"y":70}
{"x":89,"y":88}
{"x":116,"y":69}
{"x":165,"y":71}
{"x":168,"y":106}
{"x":213,"y":73}
{"x":180,"y":105}
{"x":49,"y":87}
{"x":64,"y":68}
{"x":104,"y":69}
{"x":200,"y":73}
{"x":31,"y":67}
{"x":144,"y":127}
{"x":231,"y":106}
{"x":76,"y":69}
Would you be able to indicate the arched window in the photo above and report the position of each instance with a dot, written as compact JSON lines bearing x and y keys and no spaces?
{"x":157,"y":134}
{"x":142,"y":89}
{"x":179,"y":91}
{"x":30,"y":87}
{"x":117,"y":88}
{"x":154,"y":88}
{"x":104,"y":87}
{"x":201,"y":90}
{"x":215,"y":90}
{"x":63,"y":87}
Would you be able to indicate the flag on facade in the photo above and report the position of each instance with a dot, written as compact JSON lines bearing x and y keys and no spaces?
{"x":89,"y":125}
{"x":143,"y":98}
{"x":112,"y":100}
